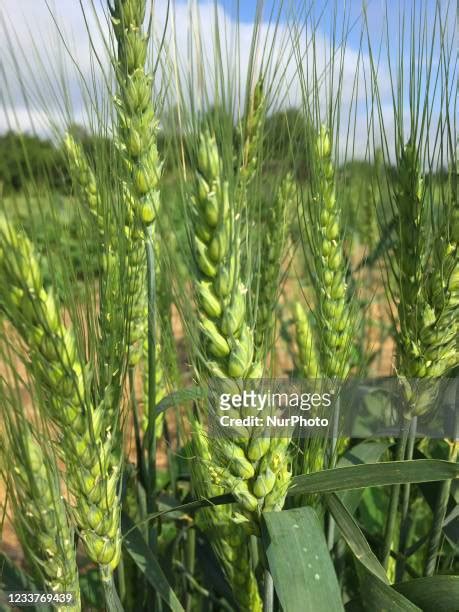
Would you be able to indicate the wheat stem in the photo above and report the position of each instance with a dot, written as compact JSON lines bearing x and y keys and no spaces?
{"x":151,"y":434}
{"x":404,"y":518}
{"x":394,"y":497}
{"x":441,"y":507}
{"x":268,"y":596}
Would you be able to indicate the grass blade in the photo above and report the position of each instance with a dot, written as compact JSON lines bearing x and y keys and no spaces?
{"x":374,"y":475}
{"x":354,"y":537}
{"x":147,"y":563}
{"x":434,"y":593}
{"x":299,"y":561}
{"x":376,"y":595}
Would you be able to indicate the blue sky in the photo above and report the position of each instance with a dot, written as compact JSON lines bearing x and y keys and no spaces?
{"x":376,"y":10}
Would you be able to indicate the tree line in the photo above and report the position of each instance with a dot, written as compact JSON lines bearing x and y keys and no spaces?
{"x":26,"y":158}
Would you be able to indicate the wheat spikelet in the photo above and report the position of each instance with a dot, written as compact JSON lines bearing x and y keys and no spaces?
{"x":308,"y":360}
{"x":88,"y":442}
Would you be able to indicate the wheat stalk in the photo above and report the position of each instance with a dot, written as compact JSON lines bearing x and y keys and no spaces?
{"x":161,"y":389}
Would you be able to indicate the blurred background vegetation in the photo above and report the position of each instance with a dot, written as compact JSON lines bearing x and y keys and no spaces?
{"x":30,"y":164}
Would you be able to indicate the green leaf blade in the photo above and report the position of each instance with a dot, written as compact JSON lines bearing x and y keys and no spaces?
{"x":436,"y":593}
{"x":363,"y":453}
{"x":376,"y":595}
{"x":299,"y":561}
{"x":354,"y":537}
{"x":373,"y":475}
{"x":147,"y":563}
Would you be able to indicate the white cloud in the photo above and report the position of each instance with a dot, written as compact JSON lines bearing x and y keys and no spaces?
{"x":41,"y":72}
{"x":50,"y":71}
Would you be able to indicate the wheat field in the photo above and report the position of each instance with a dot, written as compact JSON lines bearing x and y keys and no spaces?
{"x":229,"y":306}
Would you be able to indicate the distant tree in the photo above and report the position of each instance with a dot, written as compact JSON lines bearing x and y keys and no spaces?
{"x":288,"y":139}
{"x":24,"y":158}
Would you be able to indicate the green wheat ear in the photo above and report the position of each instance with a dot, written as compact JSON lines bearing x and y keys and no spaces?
{"x":84,"y":179}
{"x":137,"y":146}
{"x":334,"y":312}
{"x":89,"y":193}
{"x":137,"y":123}
{"x":253,"y":134}
{"x":89,"y":436}
{"x":273,"y":240}
{"x":428,"y":303}
{"x":227,"y":538}
{"x":257,"y":470}
{"x":40,"y":515}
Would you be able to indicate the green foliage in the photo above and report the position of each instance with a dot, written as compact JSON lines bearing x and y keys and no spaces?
{"x":25,"y":158}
